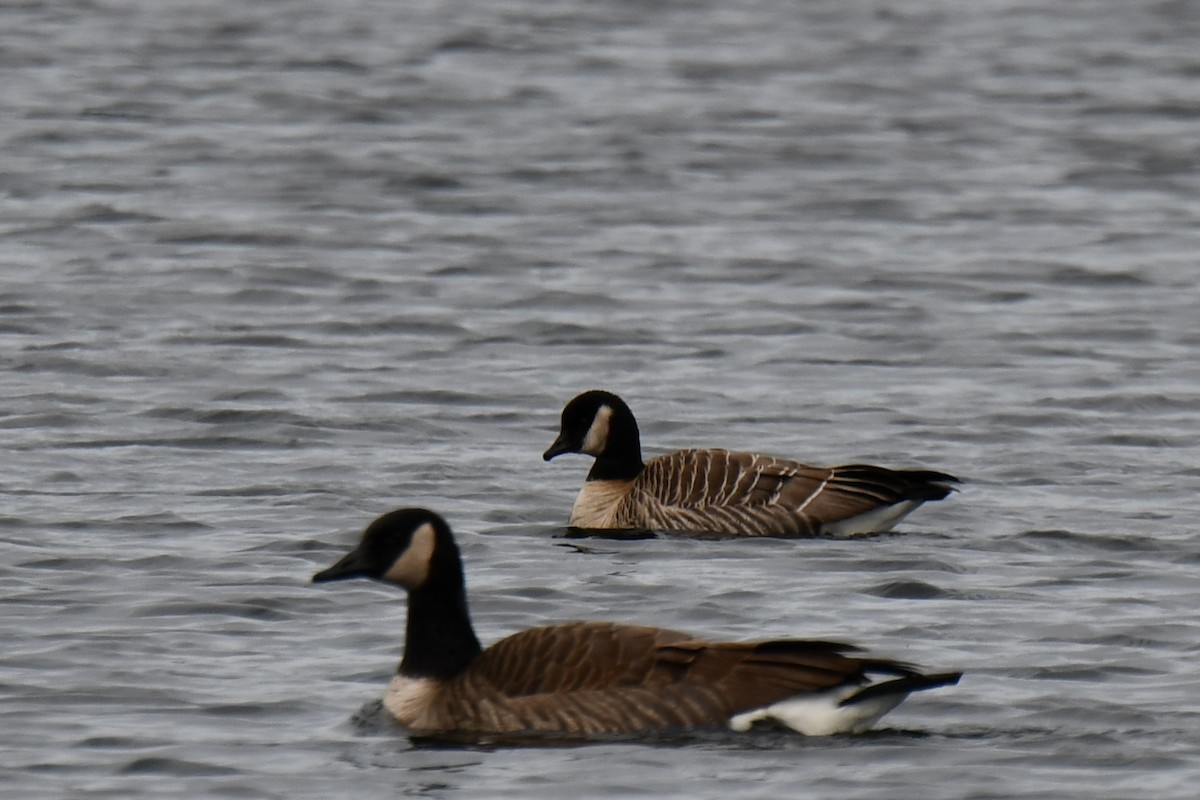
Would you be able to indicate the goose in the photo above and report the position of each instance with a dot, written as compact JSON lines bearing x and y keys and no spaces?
{"x":722,"y":491}
{"x":580,"y":679}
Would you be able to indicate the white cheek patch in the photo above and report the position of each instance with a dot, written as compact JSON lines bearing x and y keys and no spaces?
{"x":412,"y":567}
{"x":597,"y":435}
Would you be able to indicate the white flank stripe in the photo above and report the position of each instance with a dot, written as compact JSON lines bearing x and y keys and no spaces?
{"x":820,"y":715}
{"x":877,"y":520}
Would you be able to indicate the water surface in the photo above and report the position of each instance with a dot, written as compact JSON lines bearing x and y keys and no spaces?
{"x":271,"y":269}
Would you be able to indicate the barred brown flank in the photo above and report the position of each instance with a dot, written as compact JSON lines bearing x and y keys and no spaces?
{"x":722,"y":491}
{"x":588,"y":678}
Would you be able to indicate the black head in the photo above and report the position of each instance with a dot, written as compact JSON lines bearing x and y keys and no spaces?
{"x":599,"y":424}
{"x":589,"y":423}
{"x":403,"y":547}
{"x":414,"y":548}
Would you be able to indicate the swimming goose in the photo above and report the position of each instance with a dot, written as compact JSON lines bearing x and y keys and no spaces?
{"x":720,"y":491}
{"x":595,"y":678}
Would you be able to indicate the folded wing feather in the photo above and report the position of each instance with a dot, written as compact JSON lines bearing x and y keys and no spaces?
{"x":694,"y":489}
{"x":606,"y":678}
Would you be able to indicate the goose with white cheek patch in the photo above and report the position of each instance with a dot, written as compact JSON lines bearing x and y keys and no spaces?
{"x":726,"y":492}
{"x":599,"y":678}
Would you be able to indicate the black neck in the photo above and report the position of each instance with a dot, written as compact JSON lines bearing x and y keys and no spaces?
{"x":622,"y":457}
{"x":439,"y":641}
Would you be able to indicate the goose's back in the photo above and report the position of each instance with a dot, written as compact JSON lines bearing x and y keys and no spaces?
{"x":602,"y":678}
{"x":572,"y":657}
{"x":752,"y":494}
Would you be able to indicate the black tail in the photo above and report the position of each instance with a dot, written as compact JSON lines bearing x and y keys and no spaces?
{"x":894,"y":485}
{"x":905,"y":685}
{"x":927,"y":484}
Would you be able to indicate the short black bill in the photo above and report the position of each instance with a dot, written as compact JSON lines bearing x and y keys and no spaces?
{"x":559,"y":447}
{"x":350,"y":566}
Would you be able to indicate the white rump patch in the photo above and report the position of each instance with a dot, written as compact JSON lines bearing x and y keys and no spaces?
{"x":820,"y":715}
{"x":597,"y":435}
{"x":877,"y":520}
{"x":412,"y":567}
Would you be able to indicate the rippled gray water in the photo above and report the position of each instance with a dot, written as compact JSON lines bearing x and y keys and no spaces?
{"x":269,"y":269}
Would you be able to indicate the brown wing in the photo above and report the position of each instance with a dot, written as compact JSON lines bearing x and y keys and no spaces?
{"x":669,"y":680}
{"x":693,"y":478}
{"x":744,"y":492}
{"x":574,"y":656}
{"x":753,"y":674}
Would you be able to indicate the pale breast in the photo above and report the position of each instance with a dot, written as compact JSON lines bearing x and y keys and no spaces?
{"x":597,"y":504}
{"x":409,"y":700}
